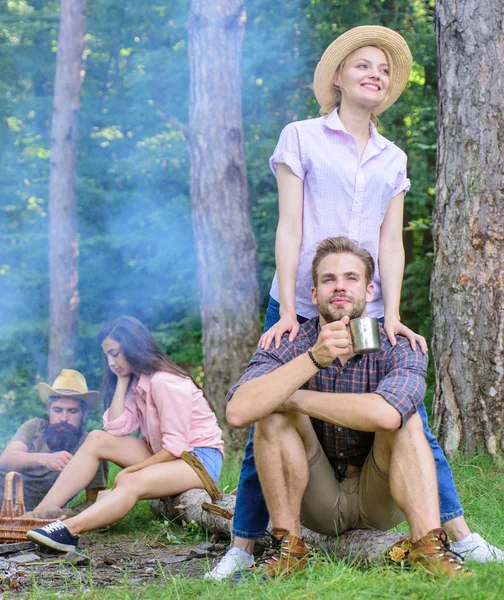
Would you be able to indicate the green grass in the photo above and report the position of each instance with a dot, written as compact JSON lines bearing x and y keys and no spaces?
{"x":481,"y":487}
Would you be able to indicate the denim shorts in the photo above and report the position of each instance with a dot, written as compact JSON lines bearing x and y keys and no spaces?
{"x":211,"y":459}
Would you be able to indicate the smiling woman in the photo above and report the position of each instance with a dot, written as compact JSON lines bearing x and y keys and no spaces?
{"x":338,"y":176}
{"x":364,"y":79}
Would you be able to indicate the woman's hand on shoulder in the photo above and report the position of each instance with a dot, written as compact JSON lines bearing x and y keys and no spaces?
{"x":394,"y":327}
{"x":286,"y":323}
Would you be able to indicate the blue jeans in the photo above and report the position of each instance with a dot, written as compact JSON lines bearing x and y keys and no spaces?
{"x":251,"y":515}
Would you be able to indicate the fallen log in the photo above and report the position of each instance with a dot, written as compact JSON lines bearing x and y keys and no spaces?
{"x":366,"y":545}
{"x":187,"y":507}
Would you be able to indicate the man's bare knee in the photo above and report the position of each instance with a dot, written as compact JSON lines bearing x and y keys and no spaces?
{"x":415,"y":422}
{"x":411,"y":432}
{"x":273,"y":425}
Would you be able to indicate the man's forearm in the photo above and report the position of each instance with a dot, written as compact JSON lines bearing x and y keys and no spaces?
{"x":260,"y":397}
{"x":362,"y":412}
{"x":17,"y":459}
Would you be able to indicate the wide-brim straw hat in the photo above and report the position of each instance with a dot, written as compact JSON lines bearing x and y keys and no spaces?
{"x":69,"y":384}
{"x":390,"y":41}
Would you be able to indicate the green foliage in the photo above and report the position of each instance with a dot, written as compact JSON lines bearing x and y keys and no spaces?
{"x":135,"y":234}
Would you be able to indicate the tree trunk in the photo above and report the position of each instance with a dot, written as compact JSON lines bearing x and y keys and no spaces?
{"x":63,"y":244}
{"x":367,"y":545}
{"x":225,"y":245}
{"x":468,"y":228}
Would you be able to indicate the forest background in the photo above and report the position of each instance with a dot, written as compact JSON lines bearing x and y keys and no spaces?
{"x":136,"y":247}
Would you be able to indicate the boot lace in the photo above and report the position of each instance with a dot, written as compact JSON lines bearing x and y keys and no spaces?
{"x":445,"y":551}
{"x":273,"y":549}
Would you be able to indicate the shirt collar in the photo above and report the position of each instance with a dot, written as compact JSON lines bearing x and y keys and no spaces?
{"x":334,"y":122}
{"x":141,"y":383}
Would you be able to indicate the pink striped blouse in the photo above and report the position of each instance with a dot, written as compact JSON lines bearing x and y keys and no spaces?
{"x":343,"y":195}
{"x":170,"y":411}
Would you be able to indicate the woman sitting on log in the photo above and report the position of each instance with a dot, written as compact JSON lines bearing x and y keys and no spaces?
{"x":143,"y":389}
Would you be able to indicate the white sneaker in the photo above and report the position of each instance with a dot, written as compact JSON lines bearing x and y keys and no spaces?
{"x":474,"y":547}
{"x":234,"y":560}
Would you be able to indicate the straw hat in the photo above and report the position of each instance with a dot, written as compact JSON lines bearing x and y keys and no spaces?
{"x":69,"y":384}
{"x":390,"y":41}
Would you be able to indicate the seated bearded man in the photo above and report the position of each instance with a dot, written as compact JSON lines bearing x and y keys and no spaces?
{"x":41,"y":448}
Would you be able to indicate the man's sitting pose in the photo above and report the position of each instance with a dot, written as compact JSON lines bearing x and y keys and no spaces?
{"x":40,"y":449}
{"x":338,"y":441}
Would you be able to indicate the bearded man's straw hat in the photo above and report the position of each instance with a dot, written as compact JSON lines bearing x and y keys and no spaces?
{"x":69,"y":384}
{"x":391,"y":42}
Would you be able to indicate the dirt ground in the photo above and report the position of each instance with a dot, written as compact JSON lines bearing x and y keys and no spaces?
{"x":113,"y":561}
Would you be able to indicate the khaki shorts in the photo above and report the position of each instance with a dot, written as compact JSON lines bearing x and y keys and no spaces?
{"x":361,"y":501}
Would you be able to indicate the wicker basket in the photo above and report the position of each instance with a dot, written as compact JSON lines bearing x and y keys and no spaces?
{"x":13,"y":526}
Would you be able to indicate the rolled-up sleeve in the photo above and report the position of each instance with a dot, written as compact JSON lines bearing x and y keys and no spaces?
{"x":264,"y":362}
{"x":288,"y":152}
{"x":173,"y":397}
{"x":404,"y":386}
{"x":127,"y":422}
{"x":402,"y":183}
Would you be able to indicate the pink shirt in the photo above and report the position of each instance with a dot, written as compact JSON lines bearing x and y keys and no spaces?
{"x":343,"y":196}
{"x":172,"y":413}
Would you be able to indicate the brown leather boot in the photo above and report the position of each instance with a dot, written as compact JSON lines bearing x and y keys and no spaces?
{"x":432,"y":552}
{"x":286,"y":554}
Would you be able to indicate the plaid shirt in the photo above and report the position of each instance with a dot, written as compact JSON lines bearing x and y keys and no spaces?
{"x":395,"y":372}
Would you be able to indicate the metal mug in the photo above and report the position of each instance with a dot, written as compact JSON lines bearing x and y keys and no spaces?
{"x":365,"y":333}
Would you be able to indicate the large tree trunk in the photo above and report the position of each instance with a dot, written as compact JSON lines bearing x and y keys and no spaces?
{"x":468,"y":276}
{"x":63,"y":244}
{"x":225,"y":245}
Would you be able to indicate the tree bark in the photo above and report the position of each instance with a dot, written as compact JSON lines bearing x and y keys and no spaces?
{"x":468,"y":227}
{"x":225,"y":245}
{"x":367,"y":545}
{"x":63,"y":243}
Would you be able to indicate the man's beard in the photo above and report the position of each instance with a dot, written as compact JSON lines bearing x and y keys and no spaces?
{"x":331,"y":314}
{"x":62,"y":436}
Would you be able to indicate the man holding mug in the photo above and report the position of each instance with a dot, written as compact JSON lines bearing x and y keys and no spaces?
{"x":338,"y":441}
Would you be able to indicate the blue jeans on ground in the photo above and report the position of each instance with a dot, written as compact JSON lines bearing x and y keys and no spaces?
{"x":251,"y":515}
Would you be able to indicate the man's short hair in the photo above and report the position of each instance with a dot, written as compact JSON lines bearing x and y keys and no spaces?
{"x":341,"y":245}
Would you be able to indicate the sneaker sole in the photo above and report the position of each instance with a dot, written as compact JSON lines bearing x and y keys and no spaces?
{"x":216,"y":577}
{"x":48,"y":542}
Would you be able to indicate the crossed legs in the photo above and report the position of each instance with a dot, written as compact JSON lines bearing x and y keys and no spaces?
{"x":79,"y":472}
{"x":156,"y":481}
{"x":163,"y":479}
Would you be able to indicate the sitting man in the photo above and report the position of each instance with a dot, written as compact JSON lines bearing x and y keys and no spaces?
{"x":40,"y":449}
{"x":338,"y":441}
